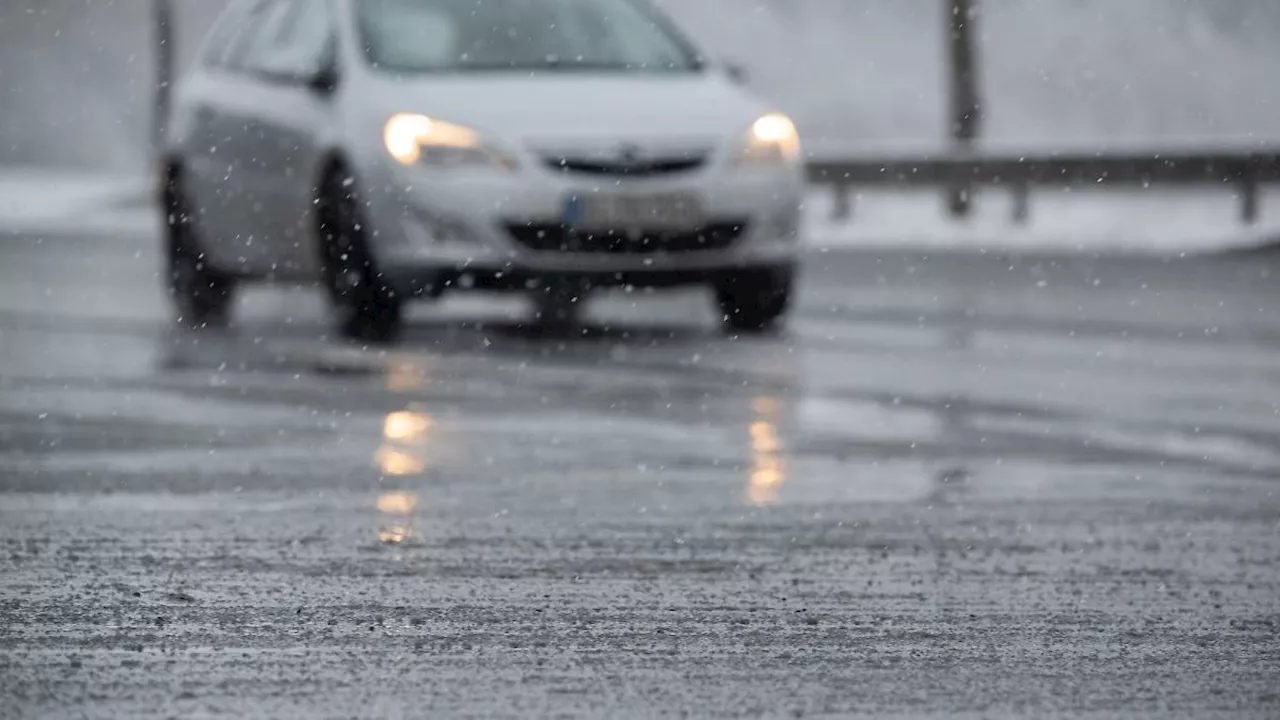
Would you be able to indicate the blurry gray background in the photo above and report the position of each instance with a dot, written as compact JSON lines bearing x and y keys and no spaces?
{"x":75,"y":74}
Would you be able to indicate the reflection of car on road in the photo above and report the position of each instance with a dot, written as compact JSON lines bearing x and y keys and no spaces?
{"x":394,"y":149}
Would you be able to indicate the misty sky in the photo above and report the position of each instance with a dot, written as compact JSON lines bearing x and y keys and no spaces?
{"x":74,"y":74}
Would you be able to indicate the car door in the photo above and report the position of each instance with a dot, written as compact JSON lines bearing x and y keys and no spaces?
{"x":241,"y":146}
{"x":216,"y":154}
{"x":291,"y":127}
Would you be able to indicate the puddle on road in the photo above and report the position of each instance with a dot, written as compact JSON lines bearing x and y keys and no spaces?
{"x":867,"y":420}
{"x":217,"y":351}
{"x":396,"y":510}
{"x":573,"y":397}
{"x":1154,"y":444}
{"x":768,"y":466}
{"x":406,"y":443}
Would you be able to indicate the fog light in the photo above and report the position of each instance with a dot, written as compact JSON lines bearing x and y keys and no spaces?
{"x":446,"y":230}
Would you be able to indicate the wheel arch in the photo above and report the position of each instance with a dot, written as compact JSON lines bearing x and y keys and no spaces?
{"x":333,"y":162}
{"x":167,"y":174}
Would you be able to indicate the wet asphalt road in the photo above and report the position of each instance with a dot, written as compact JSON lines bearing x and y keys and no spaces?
{"x":954,"y":487}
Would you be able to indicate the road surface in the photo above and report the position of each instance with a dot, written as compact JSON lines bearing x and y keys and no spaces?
{"x":955,"y":486}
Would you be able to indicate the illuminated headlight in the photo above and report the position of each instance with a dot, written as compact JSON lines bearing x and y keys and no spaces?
{"x":771,"y":140}
{"x":419,"y":140}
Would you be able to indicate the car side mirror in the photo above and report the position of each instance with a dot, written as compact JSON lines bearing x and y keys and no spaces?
{"x":324,"y":80}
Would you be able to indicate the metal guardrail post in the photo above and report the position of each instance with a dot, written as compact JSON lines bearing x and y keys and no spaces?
{"x":1021,"y":203}
{"x":1249,"y":201}
{"x":842,"y":205}
{"x":965,"y":106}
{"x":162,"y":25}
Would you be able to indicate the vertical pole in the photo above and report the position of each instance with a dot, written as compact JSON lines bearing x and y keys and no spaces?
{"x":1021,"y":203}
{"x":1249,"y":201}
{"x":162,"y":19}
{"x":842,"y":208}
{"x":965,"y":105}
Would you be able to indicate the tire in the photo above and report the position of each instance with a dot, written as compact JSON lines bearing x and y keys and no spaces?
{"x":753,"y":301}
{"x":202,"y":296}
{"x":365,"y":308}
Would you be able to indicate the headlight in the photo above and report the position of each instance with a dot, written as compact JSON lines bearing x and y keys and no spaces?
{"x":772,"y":140}
{"x":417,"y":139}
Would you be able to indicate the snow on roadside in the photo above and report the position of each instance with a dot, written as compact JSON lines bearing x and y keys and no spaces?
{"x":1156,"y":221}
{"x":37,"y":201}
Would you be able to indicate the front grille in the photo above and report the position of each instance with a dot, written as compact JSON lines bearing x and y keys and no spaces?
{"x":548,"y":237}
{"x":638,"y":168}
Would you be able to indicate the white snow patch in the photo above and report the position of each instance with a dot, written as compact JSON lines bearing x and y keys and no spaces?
{"x":1087,"y":220}
{"x":39,"y":200}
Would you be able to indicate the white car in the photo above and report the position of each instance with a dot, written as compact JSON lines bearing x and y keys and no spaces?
{"x":398,"y":149}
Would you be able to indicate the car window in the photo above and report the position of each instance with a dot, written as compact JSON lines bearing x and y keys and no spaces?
{"x":409,"y":36}
{"x":296,"y":40}
{"x":466,"y":35}
{"x":227,"y":31}
{"x":261,"y":21}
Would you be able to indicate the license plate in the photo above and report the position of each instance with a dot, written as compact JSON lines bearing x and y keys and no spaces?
{"x":604,"y":211}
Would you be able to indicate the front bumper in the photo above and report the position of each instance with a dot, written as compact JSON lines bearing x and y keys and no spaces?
{"x":462,"y":227}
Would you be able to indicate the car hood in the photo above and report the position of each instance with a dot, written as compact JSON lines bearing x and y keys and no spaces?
{"x":552,"y":110}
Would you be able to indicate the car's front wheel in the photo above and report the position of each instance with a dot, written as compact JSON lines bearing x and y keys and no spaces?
{"x":367,"y":309}
{"x":754,"y":300}
{"x":202,"y":295}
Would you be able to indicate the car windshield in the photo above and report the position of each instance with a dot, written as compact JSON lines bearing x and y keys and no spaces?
{"x":430,"y":36}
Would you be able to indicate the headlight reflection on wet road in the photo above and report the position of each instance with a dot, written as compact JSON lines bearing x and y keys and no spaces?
{"x":405,"y":439}
{"x":768,"y":469}
{"x":406,"y":374}
{"x":407,"y":426}
{"x":404,"y":451}
{"x":397,"y":506}
{"x":397,"y":463}
{"x":398,"y":502}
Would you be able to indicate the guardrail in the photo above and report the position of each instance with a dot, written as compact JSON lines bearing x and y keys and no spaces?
{"x":956,"y":174}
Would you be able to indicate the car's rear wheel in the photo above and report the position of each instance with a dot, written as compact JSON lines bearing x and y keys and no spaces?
{"x":202,"y":295}
{"x":366,"y":308}
{"x":752,"y":301}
